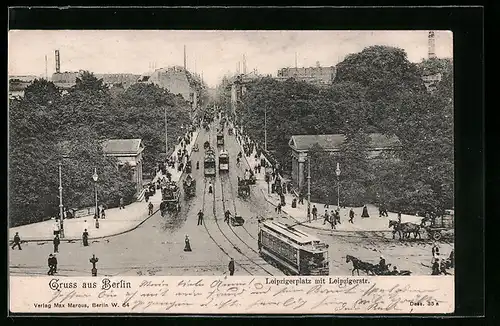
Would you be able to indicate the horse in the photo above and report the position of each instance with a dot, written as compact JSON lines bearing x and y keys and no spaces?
{"x":405,"y":229}
{"x":358,"y":264}
{"x":396,"y":228}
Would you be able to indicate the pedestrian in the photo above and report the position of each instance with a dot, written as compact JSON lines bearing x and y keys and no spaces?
{"x":231,"y":267}
{"x":351,"y":216}
{"x":210,"y":190}
{"x":17,"y":241}
{"x":435,"y":267}
{"x":227,"y":215}
{"x":294,"y":203}
{"x":121,"y":203}
{"x":399,"y":217}
{"x":278,"y":208}
{"x":52,"y":262}
{"x":85,"y":238}
{"x":301,"y":198}
{"x":337,"y":216}
{"x":56,"y":227}
{"x":315,"y":212}
{"x":187,"y":244}
{"x":56,"y":242}
{"x":103,"y":213}
{"x":326,"y":217}
{"x":200,"y":217}
{"x":150,"y":208}
{"x":365,"y":212}
{"x":146,"y":195}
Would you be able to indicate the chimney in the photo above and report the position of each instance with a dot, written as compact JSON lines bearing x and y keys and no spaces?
{"x":58,"y":62}
{"x":432,"y":45}
{"x":185,"y":68}
{"x":244,"y":65}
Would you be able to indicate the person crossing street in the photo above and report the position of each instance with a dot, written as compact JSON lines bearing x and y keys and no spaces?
{"x":56,"y":242}
{"x":200,"y":218}
{"x":351,"y":216}
{"x":227,"y":216}
{"x":17,"y":241}
{"x":150,"y":208}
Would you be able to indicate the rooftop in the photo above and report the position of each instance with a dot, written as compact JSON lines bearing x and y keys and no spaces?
{"x":294,"y":234}
{"x":334,"y":141}
{"x":122,"y":146}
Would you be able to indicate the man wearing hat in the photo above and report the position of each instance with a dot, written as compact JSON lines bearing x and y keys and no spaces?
{"x":382,"y":266}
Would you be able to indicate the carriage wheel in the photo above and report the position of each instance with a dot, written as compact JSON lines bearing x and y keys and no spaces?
{"x":436,"y":235}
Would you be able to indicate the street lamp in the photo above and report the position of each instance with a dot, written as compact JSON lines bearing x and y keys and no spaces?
{"x":95,"y":177}
{"x":337,"y":172}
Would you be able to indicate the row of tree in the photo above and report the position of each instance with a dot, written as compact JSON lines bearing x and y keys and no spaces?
{"x":375,"y":91}
{"x":47,"y":127}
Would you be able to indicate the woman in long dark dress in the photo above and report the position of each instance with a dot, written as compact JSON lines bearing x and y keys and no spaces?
{"x":85,"y":238}
{"x":187,"y":246}
{"x":365,"y":212}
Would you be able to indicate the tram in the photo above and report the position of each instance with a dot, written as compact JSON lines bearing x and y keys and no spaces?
{"x":291,"y":250}
{"x":224,"y":161}
{"x":220,"y":139}
{"x":209,"y":163}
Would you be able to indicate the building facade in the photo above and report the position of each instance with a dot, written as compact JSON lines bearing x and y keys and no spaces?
{"x":314,"y":75}
{"x":127,"y":151}
{"x":68,"y":79}
{"x":177,"y":80}
{"x":431,"y":81}
{"x":301,"y":144}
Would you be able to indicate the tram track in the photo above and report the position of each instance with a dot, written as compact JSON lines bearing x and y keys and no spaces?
{"x":233,"y":245}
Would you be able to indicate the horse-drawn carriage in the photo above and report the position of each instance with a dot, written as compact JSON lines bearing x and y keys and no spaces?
{"x":237,"y":220}
{"x":373,"y":269}
{"x":170,"y":195}
{"x":206,"y":145}
{"x":434,"y":227}
{"x":438,"y":225}
{"x":189,"y":185}
{"x":243,"y":188}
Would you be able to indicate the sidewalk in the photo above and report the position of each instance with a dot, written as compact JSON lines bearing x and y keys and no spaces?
{"x":299,"y":214}
{"x":117,"y":221}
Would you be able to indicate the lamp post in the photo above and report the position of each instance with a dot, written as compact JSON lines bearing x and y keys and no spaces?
{"x":309,"y":189}
{"x":337,"y":172}
{"x":96,"y":177}
{"x":61,"y":207}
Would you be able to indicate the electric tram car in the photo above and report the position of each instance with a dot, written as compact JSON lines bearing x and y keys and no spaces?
{"x":220,"y":139}
{"x":209,"y":163}
{"x":291,"y":250}
{"x":223,"y":161}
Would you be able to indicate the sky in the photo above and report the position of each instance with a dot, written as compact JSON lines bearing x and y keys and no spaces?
{"x":215,"y":53}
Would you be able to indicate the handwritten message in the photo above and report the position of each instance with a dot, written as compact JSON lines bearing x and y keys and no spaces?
{"x":228,"y":295}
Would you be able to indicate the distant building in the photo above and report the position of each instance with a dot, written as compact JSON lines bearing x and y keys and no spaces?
{"x":177,"y":80}
{"x":127,"y":151}
{"x":431,"y":81}
{"x":301,"y":144}
{"x":18,"y":83}
{"x":315,"y":75}
{"x":68,"y":79}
